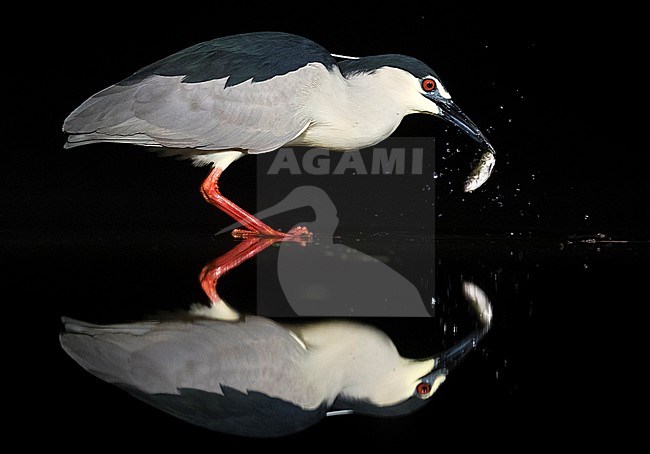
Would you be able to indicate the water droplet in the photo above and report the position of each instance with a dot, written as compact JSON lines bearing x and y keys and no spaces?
{"x":586,"y":217}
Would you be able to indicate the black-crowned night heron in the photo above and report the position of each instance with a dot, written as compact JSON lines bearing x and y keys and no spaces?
{"x":259,"y":378}
{"x":254,"y":93}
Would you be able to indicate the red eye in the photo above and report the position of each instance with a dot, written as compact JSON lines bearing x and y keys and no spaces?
{"x":423,"y":388}
{"x":428,"y":84}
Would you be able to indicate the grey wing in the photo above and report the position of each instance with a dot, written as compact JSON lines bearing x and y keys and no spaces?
{"x":164,"y":111}
{"x":206,"y":355}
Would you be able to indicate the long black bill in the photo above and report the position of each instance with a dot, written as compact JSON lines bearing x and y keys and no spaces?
{"x":450,"y":112}
{"x":447,"y":360}
{"x":483,"y":167}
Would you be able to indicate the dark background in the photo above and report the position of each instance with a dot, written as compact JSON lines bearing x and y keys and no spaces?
{"x":104,"y":223}
{"x":567,"y":161}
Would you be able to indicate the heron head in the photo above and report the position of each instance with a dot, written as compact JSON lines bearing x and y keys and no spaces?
{"x":401,"y":386}
{"x":418,"y":88}
{"x":429,"y":95}
{"x":396,"y":391}
{"x":439,"y":103}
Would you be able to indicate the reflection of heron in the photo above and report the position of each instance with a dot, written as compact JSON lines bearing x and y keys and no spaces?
{"x":255,"y":377}
{"x":254,"y":93}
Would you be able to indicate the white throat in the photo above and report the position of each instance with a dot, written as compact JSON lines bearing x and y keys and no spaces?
{"x":358,"y":361}
{"x":361,"y":110}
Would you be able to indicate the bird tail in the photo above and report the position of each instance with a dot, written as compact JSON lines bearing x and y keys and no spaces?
{"x":106,"y":117}
{"x":78,"y":327}
{"x":76,"y":140}
{"x":102,"y":350}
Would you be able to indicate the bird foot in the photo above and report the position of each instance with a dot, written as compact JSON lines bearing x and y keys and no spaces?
{"x":300,"y":231}
{"x":241,"y":234}
{"x":298,"y":234}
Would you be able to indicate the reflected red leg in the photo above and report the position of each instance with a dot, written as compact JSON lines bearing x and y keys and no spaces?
{"x":216,"y":268}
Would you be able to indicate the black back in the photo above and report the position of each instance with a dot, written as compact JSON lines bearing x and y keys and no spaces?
{"x":258,"y":56}
{"x":251,"y":415}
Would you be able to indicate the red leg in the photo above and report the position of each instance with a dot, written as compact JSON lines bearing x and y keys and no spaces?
{"x":211,"y":193}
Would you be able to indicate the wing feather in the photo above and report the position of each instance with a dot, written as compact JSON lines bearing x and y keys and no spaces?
{"x":164,"y":357}
{"x":247,"y":92}
{"x":257,"y":117}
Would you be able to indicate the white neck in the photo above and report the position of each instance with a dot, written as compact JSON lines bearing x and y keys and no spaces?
{"x":358,"y":361}
{"x":361,"y":110}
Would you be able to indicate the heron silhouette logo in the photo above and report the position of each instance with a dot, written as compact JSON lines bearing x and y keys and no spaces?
{"x":327,"y":279}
